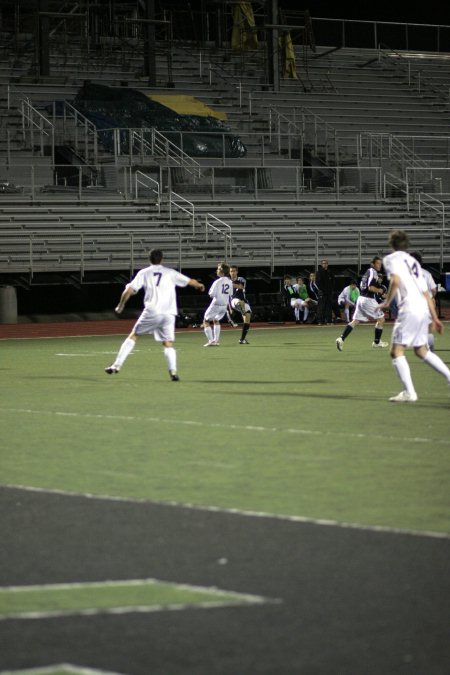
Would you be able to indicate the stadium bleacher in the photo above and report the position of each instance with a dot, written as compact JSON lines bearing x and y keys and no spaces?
{"x":314,"y":182}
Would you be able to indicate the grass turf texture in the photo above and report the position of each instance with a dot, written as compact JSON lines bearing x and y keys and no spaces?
{"x":286,"y":425}
{"x":137,"y":594}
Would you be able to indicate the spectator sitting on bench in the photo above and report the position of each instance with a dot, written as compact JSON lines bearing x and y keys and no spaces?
{"x":292,"y":297}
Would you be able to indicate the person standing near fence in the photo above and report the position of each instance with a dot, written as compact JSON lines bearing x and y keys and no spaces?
{"x":325,"y":282}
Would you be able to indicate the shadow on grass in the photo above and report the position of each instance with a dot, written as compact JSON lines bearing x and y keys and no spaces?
{"x":270,"y":382}
{"x":444,"y":404}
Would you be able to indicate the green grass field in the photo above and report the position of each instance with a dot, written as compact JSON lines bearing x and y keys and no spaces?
{"x":286,"y":425}
{"x":136,"y":595}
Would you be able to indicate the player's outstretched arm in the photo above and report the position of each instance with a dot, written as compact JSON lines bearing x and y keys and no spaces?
{"x":196,"y":284}
{"x":128,"y":292}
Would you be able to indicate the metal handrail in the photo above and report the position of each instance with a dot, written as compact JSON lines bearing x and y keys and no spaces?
{"x":12,"y":93}
{"x":190,"y":211}
{"x":439,"y":209}
{"x":227,"y":234}
{"x":166,"y":148}
{"x":390,"y":146}
{"x":80,"y":251}
{"x":386,"y":53}
{"x":88,"y":127}
{"x":396,"y":182}
{"x":34,"y":121}
{"x":140,"y":178}
{"x":408,"y":32}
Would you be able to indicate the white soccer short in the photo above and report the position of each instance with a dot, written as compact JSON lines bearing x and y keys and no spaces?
{"x":236,"y":304}
{"x":367,"y":309}
{"x":161,"y":325}
{"x":215,"y":312}
{"x":298,"y":302}
{"x":411,"y":330}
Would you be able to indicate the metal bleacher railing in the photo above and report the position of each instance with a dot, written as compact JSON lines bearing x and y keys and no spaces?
{"x":79,"y":252}
{"x":275,"y":166}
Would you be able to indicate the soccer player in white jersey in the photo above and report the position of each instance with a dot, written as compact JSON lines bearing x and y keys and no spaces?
{"x":415,"y":308}
{"x":220,"y":294}
{"x":160,"y":309}
{"x":432,"y":290}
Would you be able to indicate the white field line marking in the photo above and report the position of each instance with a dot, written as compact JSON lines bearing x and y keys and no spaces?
{"x":236,"y":512}
{"x":219,"y":425}
{"x":68,"y":668}
{"x":239,"y":599}
{"x":150,"y":581}
{"x":138,"y":609}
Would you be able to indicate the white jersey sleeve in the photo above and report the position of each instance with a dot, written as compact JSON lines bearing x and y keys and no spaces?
{"x":430,"y":282}
{"x":344,"y":295}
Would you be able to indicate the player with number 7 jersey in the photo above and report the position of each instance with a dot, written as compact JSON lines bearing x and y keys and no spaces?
{"x":159,"y":284}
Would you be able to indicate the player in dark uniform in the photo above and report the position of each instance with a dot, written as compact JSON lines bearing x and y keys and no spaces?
{"x":367,"y":306}
{"x":239,"y":303}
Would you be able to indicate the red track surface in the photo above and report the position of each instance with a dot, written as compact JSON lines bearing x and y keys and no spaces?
{"x":80,"y":328}
{"x":66,"y":329}
{"x":105,"y":327}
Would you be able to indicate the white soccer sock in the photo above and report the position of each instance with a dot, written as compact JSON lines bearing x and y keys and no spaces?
{"x":171,"y":358}
{"x":437,"y":363}
{"x":347,"y":315}
{"x":305,"y":313}
{"x":209,"y":333}
{"x":217,"y":332}
{"x":297,"y":313}
{"x":403,"y":371}
{"x":431,"y":341}
{"x":125,"y":350}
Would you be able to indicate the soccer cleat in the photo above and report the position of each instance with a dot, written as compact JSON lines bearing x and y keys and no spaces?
{"x":112,"y":370}
{"x":210,"y":343}
{"x":340,"y":343}
{"x":380,"y":344}
{"x":173,"y":376}
{"x":404,"y":397}
{"x":244,"y":342}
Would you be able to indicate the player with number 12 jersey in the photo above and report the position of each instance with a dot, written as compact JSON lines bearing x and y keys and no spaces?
{"x":220,"y":293}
